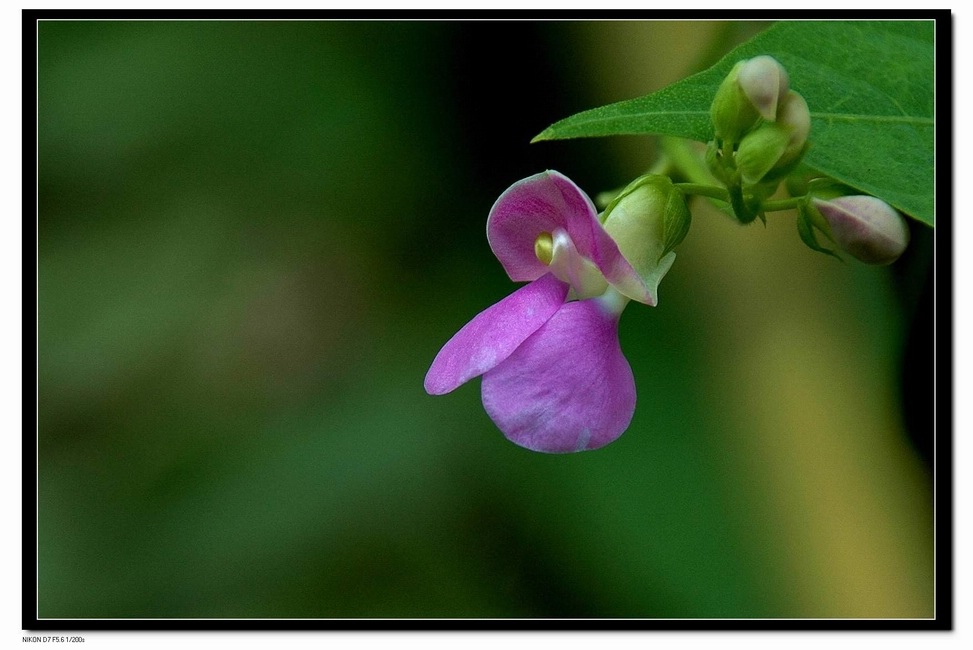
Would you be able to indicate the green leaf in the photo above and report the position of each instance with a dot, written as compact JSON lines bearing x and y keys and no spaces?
{"x":869,"y":86}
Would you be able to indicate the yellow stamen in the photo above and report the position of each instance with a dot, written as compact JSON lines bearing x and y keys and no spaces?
{"x":544,"y":248}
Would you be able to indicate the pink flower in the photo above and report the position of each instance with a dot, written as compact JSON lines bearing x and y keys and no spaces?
{"x":554,"y":376}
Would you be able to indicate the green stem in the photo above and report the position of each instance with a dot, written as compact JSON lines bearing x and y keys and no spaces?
{"x":783,"y":204}
{"x":712,"y":191}
{"x":737,"y":201}
{"x":739,"y":204}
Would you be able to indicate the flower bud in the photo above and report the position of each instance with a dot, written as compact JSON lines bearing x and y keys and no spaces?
{"x":865,"y":227}
{"x":752,"y":90}
{"x":733,"y":114}
{"x":775,"y":146}
{"x":760,"y":151}
{"x":764,"y":81}
{"x":647,"y":221}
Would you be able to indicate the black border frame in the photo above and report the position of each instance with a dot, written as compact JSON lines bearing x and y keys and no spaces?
{"x":943,"y":329}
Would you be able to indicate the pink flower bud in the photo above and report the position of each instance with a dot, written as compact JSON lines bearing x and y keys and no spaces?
{"x":753,"y":89}
{"x":865,"y":227}
{"x":764,"y":81}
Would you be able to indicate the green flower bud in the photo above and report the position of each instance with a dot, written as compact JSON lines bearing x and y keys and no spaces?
{"x":775,"y":146}
{"x":732,"y":112}
{"x":760,"y":151}
{"x":865,"y":227}
{"x":648,"y":219}
{"x":753,"y":89}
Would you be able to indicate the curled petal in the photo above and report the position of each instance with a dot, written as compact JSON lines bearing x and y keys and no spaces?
{"x":494,"y":333}
{"x":568,"y":265}
{"x":541,"y":204}
{"x":642,"y":287}
{"x":566,"y":388}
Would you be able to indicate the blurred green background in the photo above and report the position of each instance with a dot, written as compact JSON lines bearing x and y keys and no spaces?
{"x":255,"y":236}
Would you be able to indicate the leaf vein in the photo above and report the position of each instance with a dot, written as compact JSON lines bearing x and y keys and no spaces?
{"x":857,"y":117}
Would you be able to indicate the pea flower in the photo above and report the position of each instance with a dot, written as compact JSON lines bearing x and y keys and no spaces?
{"x":554,"y":376}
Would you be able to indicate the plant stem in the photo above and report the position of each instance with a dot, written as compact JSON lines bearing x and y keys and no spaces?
{"x":783,"y":204}
{"x":739,"y":205}
{"x":722,"y":194}
{"x":712,"y":191}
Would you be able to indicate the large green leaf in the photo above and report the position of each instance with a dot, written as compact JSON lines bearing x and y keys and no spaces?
{"x":869,"y":86}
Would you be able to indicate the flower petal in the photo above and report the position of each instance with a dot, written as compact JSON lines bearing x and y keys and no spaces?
{"x":541,"y":204}
{"x":494,"y":333}
{"x":642,"y":287}
{"x":566,"y":388}
{"x":568,"y":265}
